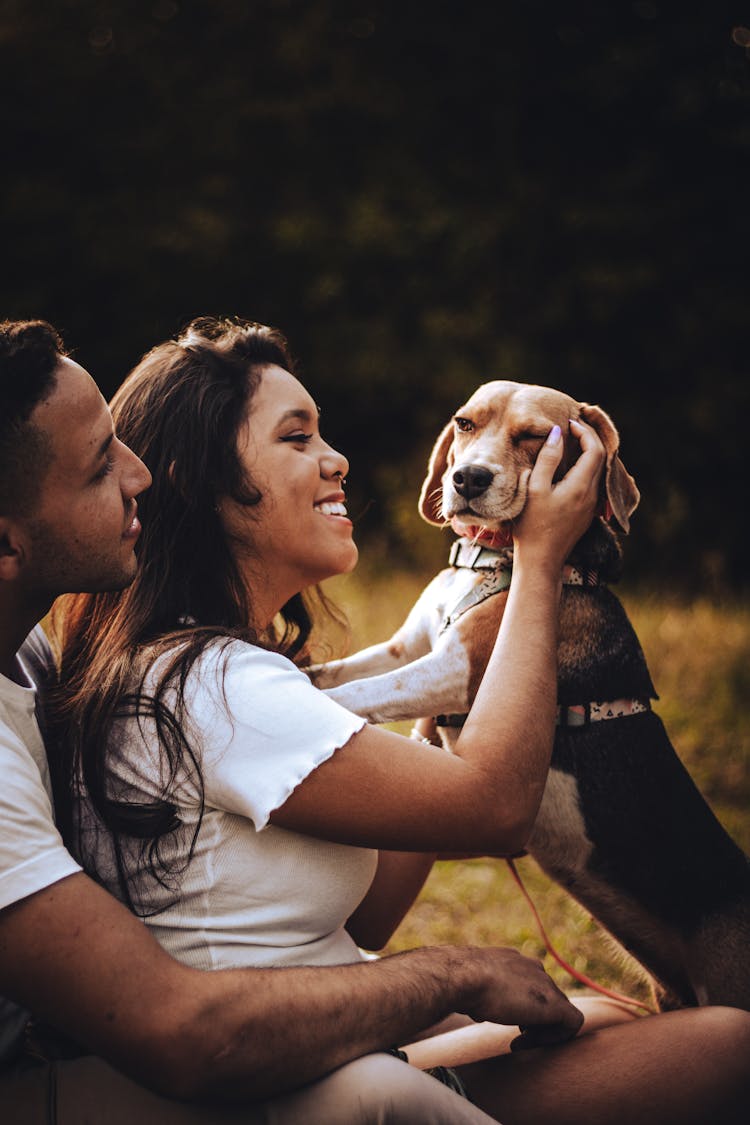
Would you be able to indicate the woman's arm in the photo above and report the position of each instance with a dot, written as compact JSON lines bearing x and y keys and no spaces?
{"x":398,"y":880}
{"x":383,"y":791}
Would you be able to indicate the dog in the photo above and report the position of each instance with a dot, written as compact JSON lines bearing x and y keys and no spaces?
{"x":621,"y":825}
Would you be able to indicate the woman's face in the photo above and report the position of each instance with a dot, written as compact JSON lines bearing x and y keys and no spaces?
{"x":299,"y":533}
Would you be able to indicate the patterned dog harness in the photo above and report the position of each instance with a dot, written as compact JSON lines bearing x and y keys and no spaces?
{"x":498,"y":567}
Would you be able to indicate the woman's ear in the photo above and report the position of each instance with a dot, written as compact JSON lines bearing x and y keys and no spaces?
{"x":431,"y":496}
{"x":174,"y":482}
{"x":621,"y":490}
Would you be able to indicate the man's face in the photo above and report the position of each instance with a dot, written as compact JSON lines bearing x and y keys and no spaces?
{"x":82,"y":532}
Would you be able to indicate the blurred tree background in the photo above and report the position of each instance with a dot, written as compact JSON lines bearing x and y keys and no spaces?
{"x":423,"y":196}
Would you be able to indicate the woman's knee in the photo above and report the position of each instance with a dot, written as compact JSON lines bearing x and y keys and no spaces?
{"x":383,"y":1090}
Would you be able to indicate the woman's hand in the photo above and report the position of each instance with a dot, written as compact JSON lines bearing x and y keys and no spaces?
{"x":557,"y":514}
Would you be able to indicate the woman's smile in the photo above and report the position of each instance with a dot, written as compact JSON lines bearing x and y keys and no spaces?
{"x":331,"y":508}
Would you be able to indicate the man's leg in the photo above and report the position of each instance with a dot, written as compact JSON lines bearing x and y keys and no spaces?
{"x":374,"y":1090}
{"x":680,"y":1068}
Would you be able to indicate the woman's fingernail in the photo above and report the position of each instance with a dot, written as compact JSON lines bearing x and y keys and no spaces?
{"x":554,"y":435}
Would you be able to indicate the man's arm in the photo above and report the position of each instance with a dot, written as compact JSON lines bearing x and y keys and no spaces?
{"x":78,"y":959}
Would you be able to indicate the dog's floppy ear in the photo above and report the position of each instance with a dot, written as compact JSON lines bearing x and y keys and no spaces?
{"x":431,"y":496}
{"x":622,"y":492}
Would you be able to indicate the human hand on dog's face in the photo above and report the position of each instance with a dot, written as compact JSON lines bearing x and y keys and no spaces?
{"x":557,"y":514}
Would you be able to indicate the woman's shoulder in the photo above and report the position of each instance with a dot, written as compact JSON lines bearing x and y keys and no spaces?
{"x":239,"y":662}
{"x":221,"y":661}
{"x":233,"y":651}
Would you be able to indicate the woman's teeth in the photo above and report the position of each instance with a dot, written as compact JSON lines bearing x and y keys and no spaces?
{"x":327,"y":509}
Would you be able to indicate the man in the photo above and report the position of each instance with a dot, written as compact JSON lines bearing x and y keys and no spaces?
{"x":78,"y":959}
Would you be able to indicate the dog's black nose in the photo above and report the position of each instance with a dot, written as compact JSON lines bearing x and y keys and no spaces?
{"x":470,"y":480}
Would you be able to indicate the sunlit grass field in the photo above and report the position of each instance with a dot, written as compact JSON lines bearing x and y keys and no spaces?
{"x":699,"y":656}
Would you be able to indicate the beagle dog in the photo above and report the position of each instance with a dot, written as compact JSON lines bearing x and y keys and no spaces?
{"x":621,"y":825}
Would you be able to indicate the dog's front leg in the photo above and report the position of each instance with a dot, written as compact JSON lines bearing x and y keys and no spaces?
{"x":411,"y":640}
{"x":434,"y":683}
{"x":370,"y":661}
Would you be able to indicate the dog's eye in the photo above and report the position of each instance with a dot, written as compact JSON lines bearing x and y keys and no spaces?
{"x":464,"y":425}
{"x":526,"y":435}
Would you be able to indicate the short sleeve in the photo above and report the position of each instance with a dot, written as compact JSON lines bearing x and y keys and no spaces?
{"x":32,"y":854}
{"x":35,"y":656}
{"x":263,"y":727}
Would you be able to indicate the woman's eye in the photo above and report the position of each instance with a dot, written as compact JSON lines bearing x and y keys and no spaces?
{"x":298,"y":438}
{"x":464,"y":425}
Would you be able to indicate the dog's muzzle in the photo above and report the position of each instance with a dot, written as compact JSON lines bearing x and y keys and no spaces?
{"x":471,"y":480}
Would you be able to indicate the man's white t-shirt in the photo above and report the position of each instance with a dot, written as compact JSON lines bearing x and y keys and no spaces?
{"x":32,"y":854}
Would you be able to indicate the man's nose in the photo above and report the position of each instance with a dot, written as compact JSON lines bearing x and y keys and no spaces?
{"x":137,"y":478}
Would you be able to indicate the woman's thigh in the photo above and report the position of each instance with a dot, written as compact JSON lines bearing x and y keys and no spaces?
{"x":375,"y":1090}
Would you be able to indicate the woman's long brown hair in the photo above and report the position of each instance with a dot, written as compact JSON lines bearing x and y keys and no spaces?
{"x":180,"y":410}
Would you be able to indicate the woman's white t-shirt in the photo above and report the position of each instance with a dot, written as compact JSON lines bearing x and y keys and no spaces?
{"x":252,"y":893}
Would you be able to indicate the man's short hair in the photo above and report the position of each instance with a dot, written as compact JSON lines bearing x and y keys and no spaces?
{"x":30,"y":351}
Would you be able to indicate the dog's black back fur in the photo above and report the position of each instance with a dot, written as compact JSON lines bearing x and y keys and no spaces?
{"x":656,"y":844}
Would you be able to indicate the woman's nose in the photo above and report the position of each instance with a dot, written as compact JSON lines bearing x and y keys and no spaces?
{"x":334,"y":464}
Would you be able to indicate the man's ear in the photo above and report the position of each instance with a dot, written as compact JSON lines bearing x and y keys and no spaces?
{"x":12,"y":549}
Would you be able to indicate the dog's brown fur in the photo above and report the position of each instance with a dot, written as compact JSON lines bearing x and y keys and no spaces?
{"x":504,"y":425}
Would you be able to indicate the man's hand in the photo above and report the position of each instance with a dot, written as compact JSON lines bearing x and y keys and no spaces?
{"x":516,"y":990}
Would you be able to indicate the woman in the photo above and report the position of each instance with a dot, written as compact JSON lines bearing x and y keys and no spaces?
{"x":250,"y":819}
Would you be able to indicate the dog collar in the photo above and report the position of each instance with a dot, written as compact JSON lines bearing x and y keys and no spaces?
{"x":476,"y":556}
{"x":577,"y":715}
{"x":473,"y":555}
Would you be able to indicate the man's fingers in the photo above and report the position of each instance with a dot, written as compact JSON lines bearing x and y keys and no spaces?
{"x":545,"y":1035}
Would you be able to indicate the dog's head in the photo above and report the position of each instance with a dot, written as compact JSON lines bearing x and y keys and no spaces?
{"x":480,"y":466}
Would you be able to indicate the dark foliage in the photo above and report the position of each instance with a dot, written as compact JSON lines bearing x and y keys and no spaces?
{"x":422,"y":196}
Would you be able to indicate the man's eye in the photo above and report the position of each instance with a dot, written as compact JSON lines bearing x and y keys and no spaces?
{"x":464,"y":425}
{"x":105,"y":470}
{"x":298,"y":438}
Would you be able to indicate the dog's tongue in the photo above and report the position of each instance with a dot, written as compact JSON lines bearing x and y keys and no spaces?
{"x":495,"y":539}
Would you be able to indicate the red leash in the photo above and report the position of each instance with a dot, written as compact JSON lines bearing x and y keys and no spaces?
{"x":581,"y":977}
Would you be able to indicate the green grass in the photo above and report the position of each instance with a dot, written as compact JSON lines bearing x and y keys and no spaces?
{"x":699,"y":656}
